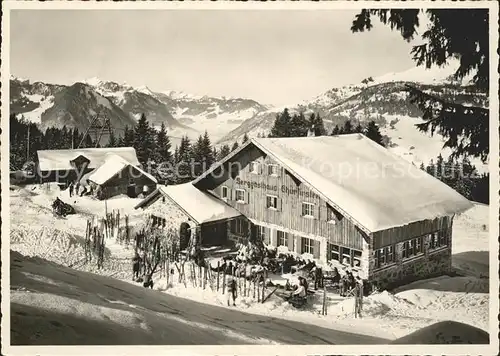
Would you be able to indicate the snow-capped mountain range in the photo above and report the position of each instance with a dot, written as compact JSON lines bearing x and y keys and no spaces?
{"x":227,"y":119}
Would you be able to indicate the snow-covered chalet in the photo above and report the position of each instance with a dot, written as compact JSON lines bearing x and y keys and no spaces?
{"x":343,"y":199}
{"x":108,"y":171}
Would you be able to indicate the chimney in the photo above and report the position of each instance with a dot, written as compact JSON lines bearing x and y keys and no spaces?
{"x":310,"y":132}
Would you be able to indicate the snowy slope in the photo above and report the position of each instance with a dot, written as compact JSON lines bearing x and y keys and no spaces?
{"x":37,"y":233}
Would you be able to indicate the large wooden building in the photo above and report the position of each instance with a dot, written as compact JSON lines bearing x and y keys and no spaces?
{"x":343,"y":199}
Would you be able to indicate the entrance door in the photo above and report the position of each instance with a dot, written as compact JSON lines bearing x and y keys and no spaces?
{"x":131,"y":192}
{"x":214,"y":234}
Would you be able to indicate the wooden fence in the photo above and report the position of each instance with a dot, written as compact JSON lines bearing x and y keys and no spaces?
{"x":191,"y":275}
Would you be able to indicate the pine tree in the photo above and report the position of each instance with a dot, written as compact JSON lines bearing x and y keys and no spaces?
{"x":197,"y":156}
{"x":184,"y":166}
{"x":245,"y":138}
{"x":112,"y":141}
{"x":298,"y":126}
{"x":465,"y":128}
{"x":128,"y":137}
{"x":215,"y":153}
{"x":88,"y":142}
{"x":422,"y":167}
{"x":319,"y":126}
{"x":207,"y":151}
{"x":144,"y":141}
{"x":163,"y":145}
{"x":176,"y":155}
{"x":347,"y":129}
{"x":235,"y":146}
{"x":336,"y":130}
{"x":373,"y":133}
{"x":281,"y":127}
{"x":224,"y":151}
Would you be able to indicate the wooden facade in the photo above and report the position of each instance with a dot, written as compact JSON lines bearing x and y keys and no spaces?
{"x":273,"y":198}
{"x":249,"y":191}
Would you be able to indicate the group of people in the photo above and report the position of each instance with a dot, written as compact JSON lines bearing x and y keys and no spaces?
{"x":74,"y":189}
{"x":138,"y":266}
{"x":349,"y":285}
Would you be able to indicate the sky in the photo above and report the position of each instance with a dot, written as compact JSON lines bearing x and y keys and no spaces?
{"x":276,"y":57}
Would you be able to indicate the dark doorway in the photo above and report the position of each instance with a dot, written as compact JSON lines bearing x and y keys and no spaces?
{"x":131,"y":191}
{"x":214,"y":234}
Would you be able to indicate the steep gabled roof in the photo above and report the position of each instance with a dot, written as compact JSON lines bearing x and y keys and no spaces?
{"x":201,"y":206}
{"x":113,"y":165}
{"x":371,"y":186}
{"x":59,"y":160}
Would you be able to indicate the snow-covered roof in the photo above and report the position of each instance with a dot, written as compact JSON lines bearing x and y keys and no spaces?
{"x":372,"y":186}
{"x":58,"y":160}
{"x":201,"y":206}
{"x":113,"y":165}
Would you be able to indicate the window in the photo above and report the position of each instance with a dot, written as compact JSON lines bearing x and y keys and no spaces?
{"x":254,"y":167}
{"x":356,"y":258}
{"x":239,"y":227}
{"x":262,"y":236}
{"x":158,"y":222}
{"x":332,"y":215}
{"x":438,"y":240}
{"x":384,"y":256}
{"x":442,"y":238}
{"x":272,"y":202}
{"x":282,"y":238}
{"x":308,"y":209}
{"x":240,"y":195}
{"x":334,"y":252}
{"x":224,"y":193}
{"x":307,"y":245}
{"x":272,"y":169}
{"x":413,"y":247}
{"x":346,"y":256}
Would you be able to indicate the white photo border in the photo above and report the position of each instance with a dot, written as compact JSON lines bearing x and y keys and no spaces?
{"x":491,"y":349}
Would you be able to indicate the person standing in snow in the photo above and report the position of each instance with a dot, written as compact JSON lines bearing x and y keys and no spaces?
{"x":358,"y":297}
{"x":70,"y":189}
{"x":231,"y":291}
{"x":136,"y":266}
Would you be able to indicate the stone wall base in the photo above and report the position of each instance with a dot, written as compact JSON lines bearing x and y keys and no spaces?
{"x":431,"y":265}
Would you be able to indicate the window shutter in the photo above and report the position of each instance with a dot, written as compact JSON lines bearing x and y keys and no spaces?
{"x":280,"y":204}
{"x":290,"y":241}
{"x":248,"y":198}
{"x":317,"y":246}
{"x":316,"y":209}
{"x":259,"y":168}
{"x":253,"y":232}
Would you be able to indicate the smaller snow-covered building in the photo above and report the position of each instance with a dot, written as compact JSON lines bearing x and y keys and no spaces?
{"x":117,"y":176}
{"x":169,"y":206}
{"x":66,"y":165}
